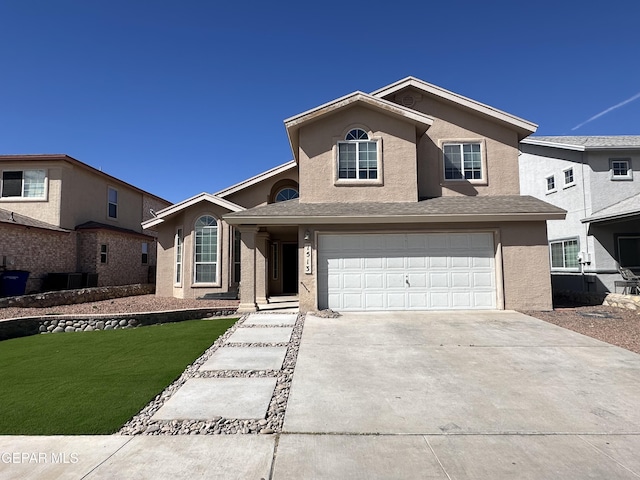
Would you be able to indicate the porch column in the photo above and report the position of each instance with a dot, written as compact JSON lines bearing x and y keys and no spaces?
{"x":262,"y":249}
{"x":247,"y":269}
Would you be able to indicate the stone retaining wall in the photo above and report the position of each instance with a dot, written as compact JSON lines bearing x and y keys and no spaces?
{"x":22,"y":327}
{"x":630,"y":302}
{"x":81,"y":295}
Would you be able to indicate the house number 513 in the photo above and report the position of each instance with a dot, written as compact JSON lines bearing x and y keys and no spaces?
{"x":307,"y":259}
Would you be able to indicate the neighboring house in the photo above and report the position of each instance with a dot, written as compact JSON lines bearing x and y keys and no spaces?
{"x":597,"y":180}
{"x":61,"y":216}
{"x":406,"y":198}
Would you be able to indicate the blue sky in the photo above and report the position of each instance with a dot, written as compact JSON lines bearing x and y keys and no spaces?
{"x":180,"y":97}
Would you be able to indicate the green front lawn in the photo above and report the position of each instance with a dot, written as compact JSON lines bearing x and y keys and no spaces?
{"x":93,"y":382}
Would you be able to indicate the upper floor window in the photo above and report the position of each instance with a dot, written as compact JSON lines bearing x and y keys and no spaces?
{"x":621,"y":169}
{"x":23,"y":183}
{"x":112,"y":203}
{"x":287,"y":193}
{"x":358,"y":156}
{"x":551,"y":184}
{"x":569,"y":180}
{"x":206,"y":250}
{"x":462,"y":161}
{"x":564,"y":254}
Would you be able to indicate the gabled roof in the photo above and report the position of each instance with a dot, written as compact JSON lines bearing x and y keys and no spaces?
{"x":456,"y":209}
{"x":629,"y":207}
{"x":78,"y":163}
{"x":256,"y":179}
{"x":13,"y":218}
{"x":583,"y":143}
{"x":178,"y":207}
{"x":293,"y":124}
{"x":524,"y":127}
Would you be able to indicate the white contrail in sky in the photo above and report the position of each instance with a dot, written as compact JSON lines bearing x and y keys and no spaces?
{"x":628,"y":100}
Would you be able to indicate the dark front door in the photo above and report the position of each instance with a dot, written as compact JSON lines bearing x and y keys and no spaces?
{"x":289,"y":268}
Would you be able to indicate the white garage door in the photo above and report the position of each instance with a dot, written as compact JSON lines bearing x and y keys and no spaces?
{"x":414,"y":271}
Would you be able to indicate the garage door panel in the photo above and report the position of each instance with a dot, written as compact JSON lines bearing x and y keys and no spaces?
{"x":439,"y":280}
{"x":406,"y":271}
{"x":461,"y":279}
{"x":395,"y":280}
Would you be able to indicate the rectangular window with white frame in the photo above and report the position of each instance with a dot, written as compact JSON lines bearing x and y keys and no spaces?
{"x":178,"y":246}
{"x":551,"y":184}
{"x":112,"y":203}
{"x":464,"y":161}
{"x":569,"y":179}
{"x":629,"y":251}
{"x":620,"y":169}
{"x":24,"y":184}
{"x":564,"y":254}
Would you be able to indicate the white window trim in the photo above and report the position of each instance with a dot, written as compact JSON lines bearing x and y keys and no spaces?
{"x":280,"y":190}
{"x":564,"y":178}
{"x":45,"y":193}
{"x":178,"y":265}
{"x":218,"y":281}
{"x":617,"y":178}
{"x":483,"y":159}
{"x":356,"y":182}
{"x":555,"y":187}
{"x":117,"y":204}
{"x":563,"y":241}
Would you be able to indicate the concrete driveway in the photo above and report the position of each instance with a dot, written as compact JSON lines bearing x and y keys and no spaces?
{"x":459,"y":395}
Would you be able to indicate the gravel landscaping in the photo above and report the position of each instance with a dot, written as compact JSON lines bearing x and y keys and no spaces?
{"x":136,"y":304}
{"x":617,"y":326}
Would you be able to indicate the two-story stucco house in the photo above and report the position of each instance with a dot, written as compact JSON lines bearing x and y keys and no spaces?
{"x":597,"y":180}
{"x":405,"y":198}
{"x":61,"y":216}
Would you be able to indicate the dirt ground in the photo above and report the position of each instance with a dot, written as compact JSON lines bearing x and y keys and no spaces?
{"x":616,"y":326}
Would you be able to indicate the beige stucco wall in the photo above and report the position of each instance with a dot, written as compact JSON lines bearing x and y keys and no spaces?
{"x":524,"y":254}
{"x":47,"y":209}
{"x":165,"y":286}
{"x":452,"y":123}
{"x":262,"y":193}
{"x":317,"y":159}
{"x":527,"y":277}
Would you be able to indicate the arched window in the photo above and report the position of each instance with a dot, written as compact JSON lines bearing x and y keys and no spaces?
{"x":287,"y":193}
{"x":357,"y":156}
{"x":206,"y":250}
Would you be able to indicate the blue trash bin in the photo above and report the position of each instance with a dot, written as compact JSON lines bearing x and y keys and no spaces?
{"x":13,"y":283}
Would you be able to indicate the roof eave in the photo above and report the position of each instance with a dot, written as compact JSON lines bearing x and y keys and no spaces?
{"x":524,"y":127}
{"x":293,"y":124}
{"x":390,"y":219}
{"x":162,"y":215}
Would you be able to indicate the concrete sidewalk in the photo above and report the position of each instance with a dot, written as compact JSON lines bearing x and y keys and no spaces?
{"x":464,"y":395}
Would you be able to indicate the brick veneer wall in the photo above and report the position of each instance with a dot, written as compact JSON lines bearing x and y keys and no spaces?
{"x":124,"y":257}
{"x":37,"y":251}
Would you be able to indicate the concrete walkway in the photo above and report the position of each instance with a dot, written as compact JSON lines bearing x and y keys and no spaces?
{"x":461,"y":395}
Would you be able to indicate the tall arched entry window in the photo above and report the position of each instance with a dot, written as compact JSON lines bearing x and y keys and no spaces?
{"x":206,"y":250}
